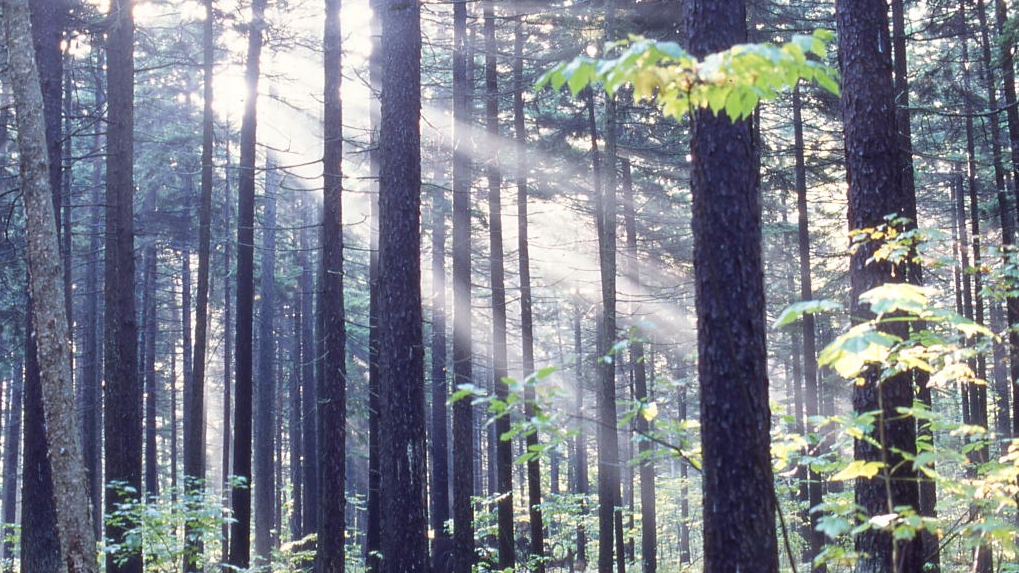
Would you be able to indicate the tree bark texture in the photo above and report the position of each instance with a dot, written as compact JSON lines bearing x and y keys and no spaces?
{"x":332,"y":387}
{"x":739,"y":498}
{"x":46,"y":288}
{"x":401,"y":352}
{"x":875,"y":191}
{"x":240,"y":541}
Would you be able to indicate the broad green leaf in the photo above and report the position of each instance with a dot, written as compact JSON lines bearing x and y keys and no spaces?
{"x":858,"y":469}
{"x":894,"y":297}
{"x":796,"y":310}
{"x":851,"y":352}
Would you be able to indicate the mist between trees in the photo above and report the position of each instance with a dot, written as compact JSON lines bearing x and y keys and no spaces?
{"x":376,"y":285}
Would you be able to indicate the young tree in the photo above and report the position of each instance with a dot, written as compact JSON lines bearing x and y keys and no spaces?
{"x":876,"y":191}
{"x":401,"y":351}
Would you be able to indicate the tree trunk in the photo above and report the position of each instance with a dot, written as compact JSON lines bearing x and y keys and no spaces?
{"x":46,"y":289}
{"x":439,"y":436}
{"x":194,"y":388}
{"x":463,"y":410}
{"x":148,"y":355}
{"x":240,"y":540}
{"x":264,"y":434}
{"x":401,"y":353}
{"x":503,"y":448}
{"x":332,"y":387}
{"x":739,"y":498}
{"x":875,"y":191}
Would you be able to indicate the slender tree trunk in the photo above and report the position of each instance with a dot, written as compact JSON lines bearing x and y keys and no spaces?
{"x":373,"y":535}
{"x":332,"y":388}
{"x":12,"y":446}
{"x":811,"y":388}
{"x":439,"y":436}
{"x":581,"y":487}
{"x":264,"y":435}
{"x":463,"y":411}
{"x":537,"y":528}
{"x":194,"y":387}
{"x":240,"y":540}
{"x":228,"y":362}
{"x":148,"y":356}
{"x":309,"y":385}
{"x":503,"y":448}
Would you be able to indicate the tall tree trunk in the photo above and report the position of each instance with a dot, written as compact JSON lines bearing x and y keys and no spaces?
{"x":123,"y":392}
{"x":439,"y":436}
{"x":739,"y":499}
{"x":228,"y":362}
{"x":641,"y":391}
{"x":194,"y":387}
{"x":401,"y":353}
{"x":503,"y":448}
{"x":581,"y":487}
{"x":264,"y":435}
{"x":147,"y":346}
{"x":12,"y":446}
{"x":309,"y":385}
{"x":373,"y":535}
{"x":537,"y":528}
{"x":50,"y":326}
{"x":809,"y":327}
{"x":332,"y":387}
{"x":875,"y":191}
{"x":463,"y":411}
{"x":240,"y":540}
{"x":1003,"y":419}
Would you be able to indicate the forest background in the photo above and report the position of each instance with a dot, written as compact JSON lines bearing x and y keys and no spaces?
{"x":203,"y":259}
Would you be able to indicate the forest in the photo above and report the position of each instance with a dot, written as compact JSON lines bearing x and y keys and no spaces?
{"x":456,"y":286}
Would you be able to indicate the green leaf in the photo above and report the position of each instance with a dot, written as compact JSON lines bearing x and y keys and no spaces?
{"x":894,"y":297}
{"x":851,"y":352}
{"x":795,"y":311}
{"x":858,"y":469}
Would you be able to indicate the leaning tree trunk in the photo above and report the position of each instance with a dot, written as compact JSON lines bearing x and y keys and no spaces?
{"x":46,"y":289}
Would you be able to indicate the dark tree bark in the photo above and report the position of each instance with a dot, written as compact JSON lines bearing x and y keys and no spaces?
{"x":147,"y":346}
{"x":537,"y":528}
{"x":240,"y":541}
{"x":309,"y":386}
{"x":264,"y":442}
{"x":581,"y":485}
{"x":463,"y":411}
{"x":401,"y":352}
{"x":228,"y":362}
{"x":739,"y":498}
{"x":641,"y":391}
{"x":50,"y":328}
{"x":373,"y":535}
{"x":40,"y":547}
{"x":332,"y":387}
{"x":194,"y":388}
{"x":503,"y":448}
{"x":12,"y":447}
{"x":875,"y":191}
{"x":123,"y":392}
{"x":809,"y":326}
{"x":439,"y":443}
